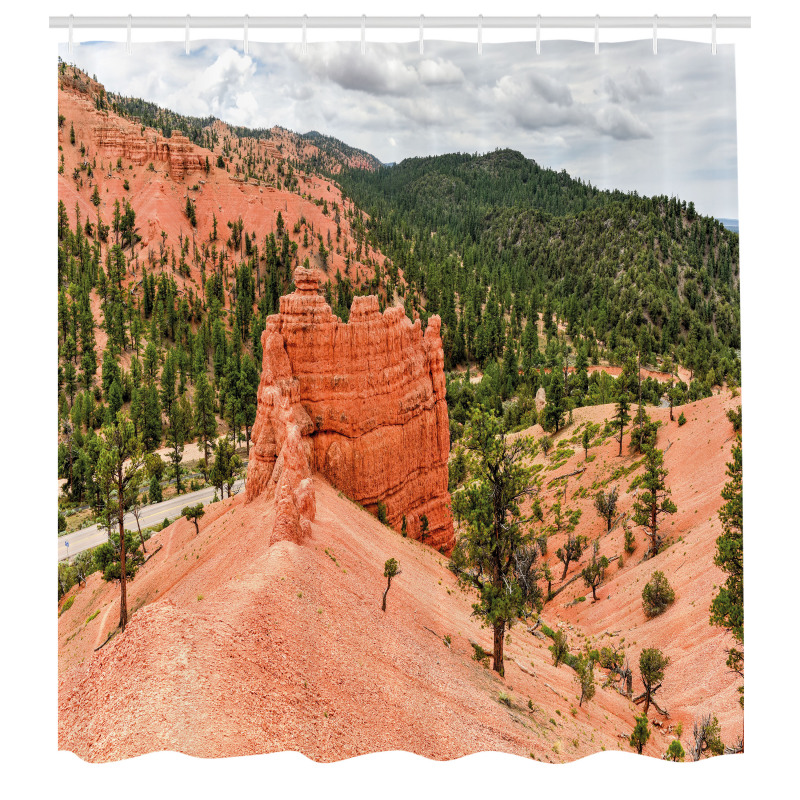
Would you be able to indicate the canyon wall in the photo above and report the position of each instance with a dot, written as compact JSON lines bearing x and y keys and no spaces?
{"x":361,"y":403}
{"x":177,"y":151}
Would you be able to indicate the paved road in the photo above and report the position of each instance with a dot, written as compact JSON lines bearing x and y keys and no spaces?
{"x":93,"y":536}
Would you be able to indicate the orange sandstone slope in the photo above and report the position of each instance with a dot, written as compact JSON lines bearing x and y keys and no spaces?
{"x":158,"y":194}
{"x":236,"y":647}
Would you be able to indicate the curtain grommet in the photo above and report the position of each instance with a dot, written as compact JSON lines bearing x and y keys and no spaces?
{"x":655,"y":34}
{"x":363,"y":34}
{"x":713,"y":34}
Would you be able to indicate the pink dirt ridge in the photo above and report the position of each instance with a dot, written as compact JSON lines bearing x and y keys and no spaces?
{"x":238,"y":646}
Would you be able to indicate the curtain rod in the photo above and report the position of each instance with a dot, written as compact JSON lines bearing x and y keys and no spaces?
{"x":377,"y":22}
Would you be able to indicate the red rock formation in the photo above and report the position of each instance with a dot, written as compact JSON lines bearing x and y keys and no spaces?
{"x":366,"y":398}
{"x":177,"y":151}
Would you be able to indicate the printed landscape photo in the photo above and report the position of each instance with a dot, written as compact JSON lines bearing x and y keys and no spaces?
{"x":420,"y":430}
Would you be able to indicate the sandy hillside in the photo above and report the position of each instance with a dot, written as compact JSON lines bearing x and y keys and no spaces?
{"x":237,"y":648}
{"x":159,"y":198}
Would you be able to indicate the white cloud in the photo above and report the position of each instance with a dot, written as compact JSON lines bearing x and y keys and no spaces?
{"x":437,"y":72}
{"x":630,"y":120}
{"x":620,"y":123}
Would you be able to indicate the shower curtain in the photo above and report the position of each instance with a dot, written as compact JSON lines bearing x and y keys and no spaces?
{"x":399,"y":400}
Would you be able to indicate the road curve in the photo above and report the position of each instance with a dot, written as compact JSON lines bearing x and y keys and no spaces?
{"x":76,"y":542}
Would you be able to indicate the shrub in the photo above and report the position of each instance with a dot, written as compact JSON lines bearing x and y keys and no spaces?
{"x":657,"y":595}
{"x":559,"y":648}
{"x":630,"y":539}
{"x":67,"y":605}
{"x":611,"y":658}
{"x":675,"y":751}
{"x":382,"y":517}
{"x":504,"y":698}
{"x":640,"y":735}
{"x":682,"y":419}
{"x":480,"y":655}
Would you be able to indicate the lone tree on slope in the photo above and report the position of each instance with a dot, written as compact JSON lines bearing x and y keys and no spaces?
{"x":621,"y":415}
{"x":594,"y":573}
{"x":494,"y":530}
{"x":606,"y":505}
{"x":120,"y":466}
{"x":652,"y":663}
{"x":653,"y":501}
{"x":571,"y":551}
{"x":193,"y":514}
{"x":391,"y":569}
{"x":707,"y":738}
{"x":640,"y":735}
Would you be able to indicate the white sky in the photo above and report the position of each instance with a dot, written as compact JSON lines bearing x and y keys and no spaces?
{"x":624,"y":119}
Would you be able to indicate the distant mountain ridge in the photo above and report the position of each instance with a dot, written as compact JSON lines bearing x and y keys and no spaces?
{"x":198,"y":129}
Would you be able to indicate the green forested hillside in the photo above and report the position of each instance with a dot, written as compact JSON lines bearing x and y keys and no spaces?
{"x":491,"y":242}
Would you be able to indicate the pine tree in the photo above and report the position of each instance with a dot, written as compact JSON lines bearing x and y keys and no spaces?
{"x":151,"y":419}
{"x":180,"y":419}
{"x":640,"y":735}
{"x":571,"y":551}
{"x":205,"y":422}
{"x":727,"y":607}
{"x":556,"y":407}
{"x":391,"y":570}
{"x":653,"y":501}
{"x":606,"y":505}
{"x":621,"y":416}
{"x":594,"y":573}
{"x":193,"y":514}
{"x":494,"y":531}
{"x":119,"y":467}
{"x":652,"y":664}
{"x":584,"y":675}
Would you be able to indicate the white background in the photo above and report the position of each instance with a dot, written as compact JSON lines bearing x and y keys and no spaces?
{"x":767,"y":74}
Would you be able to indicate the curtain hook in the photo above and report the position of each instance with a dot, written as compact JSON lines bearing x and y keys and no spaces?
{"x":304,"y":39}
{"x":128,"y":43}
{"x":246,"y":42}
{"x":69,"y":42}
{"x":596,"y":34}
{"x":363,"y":34}
{"x":187,"y":34}
{"x":480,"y":34}
{"x":714,"y":35}
{"x":538,"y":34}
{"x":421,"y":28}
{"x":655,"y":34}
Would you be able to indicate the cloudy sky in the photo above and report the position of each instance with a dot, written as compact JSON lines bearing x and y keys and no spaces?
{"x":624,"y":119}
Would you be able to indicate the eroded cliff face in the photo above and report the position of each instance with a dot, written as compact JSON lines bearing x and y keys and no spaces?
{"x":177,"y":151}
{"x":362,"y":403}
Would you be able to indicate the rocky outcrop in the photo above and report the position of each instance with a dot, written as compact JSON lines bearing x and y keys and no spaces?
{"x":363,"y":402}
{"x":177,"y":151}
